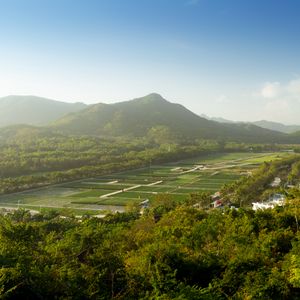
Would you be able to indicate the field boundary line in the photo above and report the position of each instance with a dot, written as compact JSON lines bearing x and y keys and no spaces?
{"x":120,"y":191}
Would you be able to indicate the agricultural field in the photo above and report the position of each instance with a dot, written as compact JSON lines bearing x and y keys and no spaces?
{"x":115,"y":191}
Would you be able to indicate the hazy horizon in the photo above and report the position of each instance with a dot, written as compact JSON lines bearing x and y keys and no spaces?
{"x":230,"y":59}
{"x":203,"y":115}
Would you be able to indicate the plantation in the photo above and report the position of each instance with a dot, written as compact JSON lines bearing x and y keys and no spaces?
{"x":115,"y":191}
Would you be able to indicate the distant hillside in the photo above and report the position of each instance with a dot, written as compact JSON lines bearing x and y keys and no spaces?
{"x":25,"y":133}
{"x":277,"y":126}
{"x":33,"y":110}
{"x":263,"y":124}
{"x":144,"y":116}
{"x":217,"y":119}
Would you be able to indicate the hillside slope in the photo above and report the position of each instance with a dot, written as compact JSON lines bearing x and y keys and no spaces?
{"x":33,"y":110}
{"x":139,"y":117}
{"x":277,"y":126}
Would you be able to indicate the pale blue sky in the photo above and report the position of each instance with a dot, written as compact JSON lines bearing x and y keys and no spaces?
{"x":232,"y":58}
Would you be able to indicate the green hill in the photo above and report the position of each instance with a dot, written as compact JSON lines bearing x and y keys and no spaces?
{"x":33,"y":110}
{"x":277,"y":126}
{"x":152,"y":113}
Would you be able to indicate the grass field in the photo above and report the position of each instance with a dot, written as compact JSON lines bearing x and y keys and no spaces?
{"x":115,"y":191}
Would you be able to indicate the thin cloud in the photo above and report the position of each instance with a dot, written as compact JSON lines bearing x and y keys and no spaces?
{"x":271,"y":90}
{"x":222,"y":99}
{"x":281,"y":101}
{"x":293,"y":88}
{"x":275,"y":90}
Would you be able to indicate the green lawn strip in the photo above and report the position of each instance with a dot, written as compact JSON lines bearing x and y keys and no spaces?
{"x":87,"y":200}
{"x":113,"y":187}
{"x":212,"y":182}
{"x":154,"y":188}
{"x":207,"y":185}
{"x":210,"y":186}
{"x":119,"y":201}
{"x":224,"y":175}
{"x":20,"y":198}
{"x":219,"y":157}
{"x":204,"y":180}
{"x":132,"y":194}
{"x":260,"y":160}
{"x":198,"y":189}
{"x":176,"y":183}
{"x":38,"y":201}
{"x":179,"y":197}
{"x":187,"y":190}
{"x":92,"y":193}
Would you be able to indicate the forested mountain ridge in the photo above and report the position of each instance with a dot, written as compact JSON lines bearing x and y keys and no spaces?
{"x":33,"y":110}
{"x":152,"y":115}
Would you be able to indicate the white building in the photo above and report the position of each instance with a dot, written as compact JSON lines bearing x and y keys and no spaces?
{"x":275,"y":200}
{"x":276,"y":182}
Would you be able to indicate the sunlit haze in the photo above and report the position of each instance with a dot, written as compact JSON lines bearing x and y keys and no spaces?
{"x":233,"y":59}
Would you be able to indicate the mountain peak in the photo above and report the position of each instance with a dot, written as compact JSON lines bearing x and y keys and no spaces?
{"x":153,"y":97}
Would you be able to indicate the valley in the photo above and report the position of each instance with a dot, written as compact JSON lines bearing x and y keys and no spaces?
{"x":149,"y":150}
{"x":119,"y":191}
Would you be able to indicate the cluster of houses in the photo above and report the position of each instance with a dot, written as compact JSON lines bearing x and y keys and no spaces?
{"x":277,"y":199}
{"x":274,"y":200}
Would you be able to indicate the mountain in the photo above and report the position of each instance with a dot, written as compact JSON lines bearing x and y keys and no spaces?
{"x":277,"y":126}
{"x":217,"y":119}
{"x":33,"y":110}
{"x":152,"y":113}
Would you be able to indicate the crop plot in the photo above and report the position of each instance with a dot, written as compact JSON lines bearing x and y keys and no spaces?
{"x":115,"y":191}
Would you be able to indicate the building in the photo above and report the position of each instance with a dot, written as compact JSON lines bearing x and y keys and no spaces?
{"x":144,"y":205}
{"x":274,"y":200}
{"x":276,"y":182}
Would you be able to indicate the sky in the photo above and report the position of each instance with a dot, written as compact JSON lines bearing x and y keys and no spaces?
{"x":236,"y":59}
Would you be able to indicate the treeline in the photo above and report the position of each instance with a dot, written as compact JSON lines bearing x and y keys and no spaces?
{"x":171,"y":252}
{"x":37,"y":161}
{"x":29,"y":161}
{"x":256,"y":187}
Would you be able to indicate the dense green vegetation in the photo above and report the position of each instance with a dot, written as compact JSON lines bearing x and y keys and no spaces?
{"x":88,"y":190}
{"x":31,"y":157}
{"x":174,"y":250}
{"x":148,"y":129}
{"x":171,"y":252}
{"x":150,"y":116}
{"x":178,"y":179}
{"x":34,"y":160}
{"x":257,"y":186}
{"x":153,"y":116}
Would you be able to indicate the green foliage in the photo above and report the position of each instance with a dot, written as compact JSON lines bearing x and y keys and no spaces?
{"x":201,"y":199}
{"x":186,"y":254}
{"x":40,"y":160}
{"x":257,"y":187}
{"x":157,"y":118}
